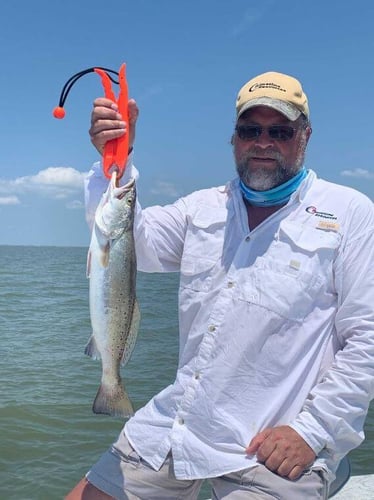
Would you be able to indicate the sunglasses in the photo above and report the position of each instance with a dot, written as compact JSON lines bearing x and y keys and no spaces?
{"x":280,"y":133}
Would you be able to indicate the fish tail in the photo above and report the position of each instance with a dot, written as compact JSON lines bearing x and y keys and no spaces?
{"x":112,"y":399}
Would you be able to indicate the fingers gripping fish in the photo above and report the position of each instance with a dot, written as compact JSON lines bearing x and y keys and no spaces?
{"x":114,"y":310}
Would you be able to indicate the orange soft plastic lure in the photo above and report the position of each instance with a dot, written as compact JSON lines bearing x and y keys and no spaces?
{"x":116,"y":150}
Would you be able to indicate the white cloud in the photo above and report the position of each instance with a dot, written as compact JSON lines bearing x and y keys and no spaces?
{"x":59,"y":176}
{"x":166,"y":189}
{"x":52,"y":182}
{"x":360,"y":173}
{"x":9,"y":200}
{"x":75,"y":205}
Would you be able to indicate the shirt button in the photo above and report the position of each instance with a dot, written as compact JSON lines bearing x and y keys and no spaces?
{"x":212,"y":328}
{"x":230,"y":284}
{"x":247,"y":238}
{"x":197,"y":376}
{"x":180,"y":420}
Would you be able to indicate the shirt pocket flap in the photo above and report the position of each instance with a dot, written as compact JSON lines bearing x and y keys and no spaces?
{"x":191,"y":265}
{"x":206,"y":217}
{"x":310,"y":238}
{"x":203,"y":244}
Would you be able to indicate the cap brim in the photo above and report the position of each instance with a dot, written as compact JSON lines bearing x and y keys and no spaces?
{"x":287,"y":109}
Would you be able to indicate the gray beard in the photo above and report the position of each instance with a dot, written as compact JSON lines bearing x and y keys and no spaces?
{"x":262,"y":179}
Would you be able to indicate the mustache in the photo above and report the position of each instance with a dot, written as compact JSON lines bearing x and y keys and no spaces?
{"x":260,"y":153}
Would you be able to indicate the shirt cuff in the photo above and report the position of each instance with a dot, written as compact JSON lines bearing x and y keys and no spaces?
{"x":311,"y":431}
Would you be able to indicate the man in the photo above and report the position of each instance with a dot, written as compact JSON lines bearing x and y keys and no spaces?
{"x":276,"y":367}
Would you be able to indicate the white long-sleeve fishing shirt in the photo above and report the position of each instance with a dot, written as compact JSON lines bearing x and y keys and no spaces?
{"x":276,"y":325}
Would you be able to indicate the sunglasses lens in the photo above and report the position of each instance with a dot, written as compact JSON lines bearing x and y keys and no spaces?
{"x":281,"y":133}
{"x":247,"y":132}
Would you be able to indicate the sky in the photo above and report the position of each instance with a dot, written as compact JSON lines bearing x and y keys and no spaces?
{"x":185,"y":63}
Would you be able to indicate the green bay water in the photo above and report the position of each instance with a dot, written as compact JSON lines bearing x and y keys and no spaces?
{"x":49,"y":436}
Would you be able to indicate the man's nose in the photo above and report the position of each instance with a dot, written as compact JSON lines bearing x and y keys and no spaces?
{"x":264,"y":140}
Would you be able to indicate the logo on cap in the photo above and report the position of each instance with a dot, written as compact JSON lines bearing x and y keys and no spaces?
{"x":274,"y":86}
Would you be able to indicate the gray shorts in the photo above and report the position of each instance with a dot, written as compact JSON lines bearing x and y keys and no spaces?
{"x":124,"y":475}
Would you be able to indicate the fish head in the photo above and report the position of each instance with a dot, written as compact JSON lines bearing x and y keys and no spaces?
{"x":125,"y":197}
{"x":115,"y":212}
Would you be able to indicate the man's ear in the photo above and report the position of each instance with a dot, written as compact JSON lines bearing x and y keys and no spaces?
{"x":308,"y":131}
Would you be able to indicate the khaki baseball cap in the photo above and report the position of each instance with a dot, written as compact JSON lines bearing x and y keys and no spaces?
{"x":276,"y":90}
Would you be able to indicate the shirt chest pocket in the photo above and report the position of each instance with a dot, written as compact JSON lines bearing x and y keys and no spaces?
{"x":203,"y":248}
{"x":294,"y":275}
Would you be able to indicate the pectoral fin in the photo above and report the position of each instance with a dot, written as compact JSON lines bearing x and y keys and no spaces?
{"x":91,"y":349}
{"x":133,"y":333}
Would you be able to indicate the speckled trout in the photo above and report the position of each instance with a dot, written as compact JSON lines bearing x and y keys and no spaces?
{"x":114,"y":311}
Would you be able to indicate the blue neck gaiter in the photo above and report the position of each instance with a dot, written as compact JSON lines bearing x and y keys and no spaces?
{"x":275,"y":196}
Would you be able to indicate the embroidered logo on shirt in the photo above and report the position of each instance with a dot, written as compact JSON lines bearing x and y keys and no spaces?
{"x":324,"y":215}
{"x":295,"y":264}
{"x":329,"y":226}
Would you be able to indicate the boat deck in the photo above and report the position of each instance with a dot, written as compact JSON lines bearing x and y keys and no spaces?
{"x":357,"y":488}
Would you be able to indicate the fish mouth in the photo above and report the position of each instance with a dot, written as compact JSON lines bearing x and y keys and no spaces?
{"x":114,"y":181}
{"x":120,"y":191}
